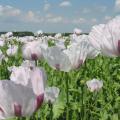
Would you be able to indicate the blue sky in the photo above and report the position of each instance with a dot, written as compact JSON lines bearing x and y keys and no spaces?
{"x":55,"y":15}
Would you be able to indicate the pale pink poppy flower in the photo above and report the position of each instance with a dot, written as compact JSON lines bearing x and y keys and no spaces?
{"x":2,"y":56}
{"x":111,"y":38}
{"x":94,"y":85}
{"x":2,"y":42}
{"x":58,"y":35}
{"x":32,"y":51}
{"x":60,"y":43}
{"x":38,"y":33}
{"x":12,"y":50}
{"x":95,"y":36}
{"x":92,"y":52}
{"x":17,"y":100}
{"x":29,"y":76}
{"x":9,"y":34}
{"x":20,"y":75}
{"x":107,"y":38}
{"x":21,"y":96}
{"x":51,"y":94}
{"x":57,"y":59}
{"x":77,"y":54}
{"x":77,"y":31}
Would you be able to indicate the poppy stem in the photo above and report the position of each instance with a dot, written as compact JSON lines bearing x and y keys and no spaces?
{"x":82,"y":96}
{"x":20,"y":118}
{"x":67,"y":96}
{"x":51,"y":111}
{"x":82,"y":102}
{"x":36,"y":62}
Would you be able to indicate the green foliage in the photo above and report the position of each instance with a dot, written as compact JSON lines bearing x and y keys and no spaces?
{"x":22,"y":34}
{"x":102,"y":105}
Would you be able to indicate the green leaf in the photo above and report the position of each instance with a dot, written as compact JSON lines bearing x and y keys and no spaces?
{"x":58,"y":109}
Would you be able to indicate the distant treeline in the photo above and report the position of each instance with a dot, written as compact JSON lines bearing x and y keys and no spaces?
{"x":26,"y":33}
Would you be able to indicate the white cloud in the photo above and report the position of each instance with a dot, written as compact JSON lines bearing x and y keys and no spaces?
{"x":9,"y":11}
{"x":33,"y":17}
{"x":49,"y":15}
{"x":65,"y":4}
{"x":82,"y":20}
{"x":53,"y":19}
{"x":93,"y":20}
{"x":86,"y":10}
{"x":102,"y":8}
{"x":108,"y":18}
{"x":117,"y":5}
{"x":16,"y":14}
{"x":46,"y":7}
{"x":30,"y":16}
{"x":79,"y":21}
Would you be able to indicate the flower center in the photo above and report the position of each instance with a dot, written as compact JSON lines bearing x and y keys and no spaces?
{"x":57,"y":66}
{"x":34,"y":57}
{"x":17,"y":110}
{"x":80,"y":62}
{"x":39,"y":101}
{"x":1,"y":110}
{"x":119,"y":46}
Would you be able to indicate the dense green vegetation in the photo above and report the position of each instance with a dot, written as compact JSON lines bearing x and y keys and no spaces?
{"x":83,"y":104}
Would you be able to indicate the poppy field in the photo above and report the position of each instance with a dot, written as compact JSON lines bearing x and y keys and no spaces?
{"x":75,"y":77}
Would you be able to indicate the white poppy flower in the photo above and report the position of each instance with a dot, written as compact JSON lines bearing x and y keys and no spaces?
{"x":2,"y":56}
{"x":107,"y":38}
{"x":57,"y":59}
{"x":51,"y":94}
{"x":20,"y":75}
{"x":34,"y":78}
{"x":111,"y":38}
{"x":2,"y":42}
{"x":77,"y":53}
{"x":9,"y":34}
{"x":74,"y":57}
{"x":32,"y":51}
{"x":26,"y":39}
{"x":28,"y":63}
{"x":77,"y":38}
{"x":94,"y":85}
{"x":77,"y":31}
{"x":39,"y":33}
{"x":60,"y":43}
{"x":95,"y":36}
{"x":12,"y":50}
{"x":92,"y":52}
{"x":38,"y":79}
{"x":17,"y":100}
{"x":58,"y":35}
{"x":50,"y":38}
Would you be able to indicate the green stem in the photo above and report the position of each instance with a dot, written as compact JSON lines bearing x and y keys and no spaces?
{"x":67,"y":97}
{"x":51,"y":111}
{"x":19,"y":118}
{"x":6,"y":71}
{"x":82,"y":102}
{"x":36,"y":62}
{"x":32,"y":117}
{"x":118,"y":112}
